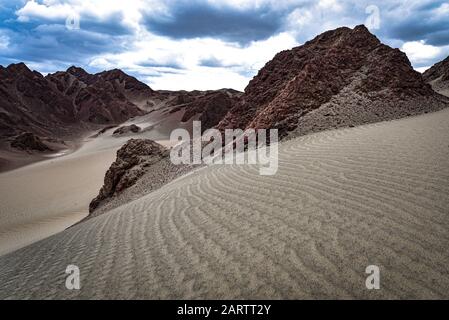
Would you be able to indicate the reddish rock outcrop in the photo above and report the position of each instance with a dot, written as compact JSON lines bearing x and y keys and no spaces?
{"x":29,"y":104}
{"x":211,"y":107}
{"x":102,"y":98}
{"x":64,"y":103}
{"x":343,"y":77}
{"x":132,"y":159}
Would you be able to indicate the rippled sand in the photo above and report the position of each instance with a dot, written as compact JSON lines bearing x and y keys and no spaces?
{"x":47,"y":197}
{"x":341,"y":200}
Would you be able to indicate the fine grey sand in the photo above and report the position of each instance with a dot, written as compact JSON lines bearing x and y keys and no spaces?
{"x":340,"y":201}
{"x":46,"y":197}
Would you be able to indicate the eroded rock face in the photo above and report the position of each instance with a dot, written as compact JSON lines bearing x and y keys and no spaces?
{"x":28,"y":141}
{"x":343,"y":67}
{"x":126,"y":130}
{"x":438,"y":76}
{"x":102,"y":98}
{"x":210,"y":107}
{"x":132,"y":160}
{"x":65,"y":102}
{"x":29,"y":104}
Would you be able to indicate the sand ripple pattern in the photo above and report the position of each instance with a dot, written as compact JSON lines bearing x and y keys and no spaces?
{"x":341,"y":200}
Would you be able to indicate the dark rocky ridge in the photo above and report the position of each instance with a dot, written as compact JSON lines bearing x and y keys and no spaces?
{"x":438,"y":76}
{"x":343,"y":77}
{"x":132,"y":158}
{"x":62,"y":103}
{"x":211,"y":107}
{"x":29,"y":104}
{"x":138,"y":160}
{"x":102,"y":98}
{"x":28,"y":141}
{"x":438,"y":70}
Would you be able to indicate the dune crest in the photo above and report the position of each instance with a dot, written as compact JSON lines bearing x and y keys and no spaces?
{"x":341,"y":200}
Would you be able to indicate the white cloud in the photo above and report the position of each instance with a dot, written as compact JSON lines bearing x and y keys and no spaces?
{"x":182,"y":58}
{"x":100,"y":10}
{"x":443,"y":9}
{"x":199,"y":78}
{"x":4,"y":41}
{"x":419,"y":51}
{"x":51,"y":11}
{"x":165,"y":63}
{"x":422,"y":69}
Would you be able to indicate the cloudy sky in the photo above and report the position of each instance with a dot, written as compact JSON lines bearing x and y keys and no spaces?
{"x":203,"y":44}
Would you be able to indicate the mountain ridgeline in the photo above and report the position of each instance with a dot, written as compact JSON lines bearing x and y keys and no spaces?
{"x":342,"y":78}
{"x":64,"y":103}
{"x":438,"y":76}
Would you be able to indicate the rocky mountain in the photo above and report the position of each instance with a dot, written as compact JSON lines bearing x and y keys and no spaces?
{"x":66,"y":101}
{"x":63,"y":103}
{"x":438,"y":76}
{"x":209,"y":107}
{"x":102,"y":98}
{"x":29,"y":103}
{"x":343,"y":77}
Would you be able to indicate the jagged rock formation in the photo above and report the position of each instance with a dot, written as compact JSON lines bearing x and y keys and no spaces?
{"x":132,"y":159}
{"x":126,"y":130}
{"x":63,"y":103}
{"x":343,"y":77}
{"x":141,"y":166}
{"x":29,"y":104}
{"x":102,"y":98}
{"x":438,"y":76}
{"x":209,"y":108}
{"x":28,"y":141}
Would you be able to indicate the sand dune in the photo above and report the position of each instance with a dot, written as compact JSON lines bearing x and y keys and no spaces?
{"x":340,"y":201}
{"x":44,"y":198}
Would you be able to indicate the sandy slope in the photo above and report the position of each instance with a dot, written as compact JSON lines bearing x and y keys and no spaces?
{"x":341,"y":200}
{"x":46,"y":197}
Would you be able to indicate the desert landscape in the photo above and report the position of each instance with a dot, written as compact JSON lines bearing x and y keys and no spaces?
{"x":341,"y":200}
{"x":87,"y":179}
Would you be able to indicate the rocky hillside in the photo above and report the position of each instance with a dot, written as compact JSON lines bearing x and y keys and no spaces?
{"x":438,"y":76}
{"x":343,"y":77}
{"x":142,"y":165}
{"x":29,"y":103}
{"x":63,"y":103}
{"x":209,"y":107}
{"x":103,"y":98}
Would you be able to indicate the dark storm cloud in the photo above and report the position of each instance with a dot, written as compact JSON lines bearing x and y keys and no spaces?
{"x":56,"y":42}
{"x":427,"y":21}
{"x":197,"y":19}
{"x":39,"y":40}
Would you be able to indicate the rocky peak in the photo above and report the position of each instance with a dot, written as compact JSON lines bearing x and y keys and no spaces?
{"x":129,"y":83}
{"x":438,"y":77}
{"x":305,"y":80}
{"x":18,"y":68}
{"x":81,"y":74}
{"x":438,"y":71}
{"x":132,"y":159}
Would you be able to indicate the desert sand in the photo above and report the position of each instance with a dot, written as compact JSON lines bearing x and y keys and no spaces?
{"x":46,"y":197}
{"x":341,"y":200}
